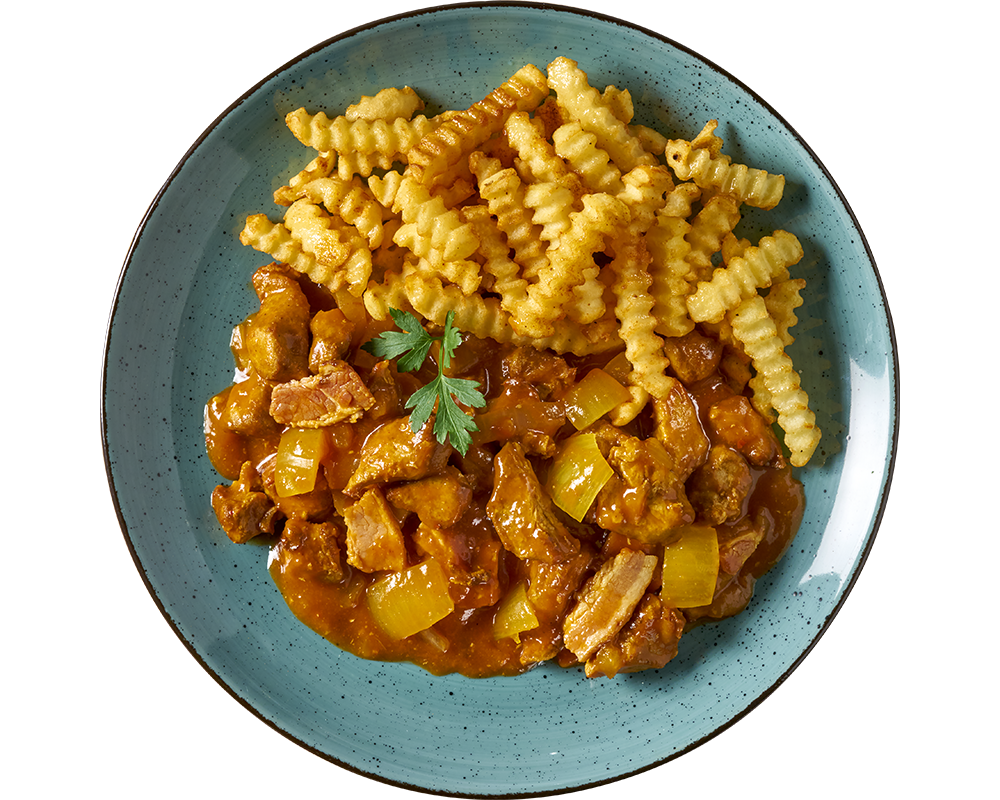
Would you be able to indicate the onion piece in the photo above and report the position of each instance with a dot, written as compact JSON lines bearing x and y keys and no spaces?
{"x":578,"y":472}
{"x":410,"y":601}
{"x":300,"y":452}
{"x":690,"y":568}
{"x":515,"y":615}
{"x":593,"y":397}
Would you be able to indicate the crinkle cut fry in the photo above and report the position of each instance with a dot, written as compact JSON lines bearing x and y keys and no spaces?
{"x":580,"y":150}
{"x":484,"y":318}
{"x":389,"y":104}
{"x":366,"y":137}
{"x":755,"y":187}
{"x":353,"y":201}
{"x":275,"y":240}
{"x":781,"y":301}
{"x":506,"y":273}
{"x":388,"y":293}
{"x":504,"y":195}
{"x":307,"y":223}
{"x":332,"y":241}
{"x":538,"y":157}
{"x":465,"y":275}
{"x":430,"y":229}
{"x":757,"y":268}
{"x":717,"y":218}
{"x":551,"y":204}
{"x":644,"y":190}
{"x":669,"y":270}
{"x":753,"y":326}
{"x":568,"y":264}
{"x":462,"y":132}
{"x":585,"y":104}
{"x":644,"y":194}
{"x":320,"y":167}
{"x":634,"y":306}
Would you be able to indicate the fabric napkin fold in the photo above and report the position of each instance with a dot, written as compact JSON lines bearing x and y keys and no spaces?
{"x":151,"y":746}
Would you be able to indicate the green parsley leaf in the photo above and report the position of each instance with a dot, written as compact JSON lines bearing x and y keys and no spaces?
{"x":410,"y":348}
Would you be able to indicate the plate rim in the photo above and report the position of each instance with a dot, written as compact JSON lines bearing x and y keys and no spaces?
{"x":893,"y":357}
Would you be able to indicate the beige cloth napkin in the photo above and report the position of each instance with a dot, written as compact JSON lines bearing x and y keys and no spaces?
{"x":152,"y":748}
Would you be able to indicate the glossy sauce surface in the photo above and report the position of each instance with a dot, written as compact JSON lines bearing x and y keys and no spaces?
{"x":464,"y":641}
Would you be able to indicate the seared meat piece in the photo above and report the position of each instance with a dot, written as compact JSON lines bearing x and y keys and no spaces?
{"x":384,"y":387}
{"x":693,"y":356}
{"x":393,"y":452}
{"x":679,"y":430}
{"x":732,"y":594}
{"x":718,"y":487}
{"x":315,"y":545}
{"x":607,"y":601}
{"x":374,"y":539}
{"x":644,"y":500}
{"x":548,"y":373}
{"x":470,"y":554}
{"x":648,"y":641}
{"x":518,"y":413}
{"x":522,"y":512}
{"x":243,"y":509}
{"x":438,"y":500}
{"x":277,"y":335}
{"x":320,"y":400}
{"x":736,"y":423}
{"x":550,"y":589}
{"x":248,"y":407}
{"x":477,"y":466}
{"x":552,"y":586}
{"x":738,"y":542}
{"x":331,"y":338}
{"x":273,"y":277}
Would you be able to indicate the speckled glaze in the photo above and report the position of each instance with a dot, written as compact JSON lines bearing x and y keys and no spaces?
{"x":185,"y":284}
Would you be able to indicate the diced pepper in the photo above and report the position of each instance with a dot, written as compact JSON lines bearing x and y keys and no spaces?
{"x":409,"y":601}
{"x":515,"y":615}
{"x":578,"y":472}
{"x":690,"y":568}
{"x":300,"y":452}
{"x":593,"y":397}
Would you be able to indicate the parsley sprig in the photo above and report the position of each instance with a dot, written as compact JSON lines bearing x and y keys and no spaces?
{"x":410,"y":347}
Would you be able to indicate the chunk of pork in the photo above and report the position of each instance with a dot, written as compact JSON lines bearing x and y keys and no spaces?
{"x":374,"y":539}
{"x":607,"y":601}
{"x":644,"y":499}
{"x":243,"y":509}
{"x":648,"y":641}
{"x":393,"y":452}
{"x":317,"y":401}
{"x":522,"y":513}
{"x":718,"y":487}
{"x":277,"y":335}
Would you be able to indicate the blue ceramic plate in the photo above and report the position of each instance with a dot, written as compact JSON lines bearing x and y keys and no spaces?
{"x":185,"y":284}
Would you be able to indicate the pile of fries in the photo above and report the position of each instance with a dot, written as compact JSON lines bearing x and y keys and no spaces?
{"x":544,"y":215}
